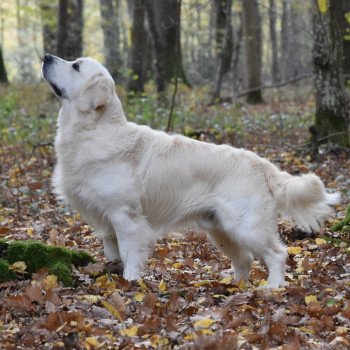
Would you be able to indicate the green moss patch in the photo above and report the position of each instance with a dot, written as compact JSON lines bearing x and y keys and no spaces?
{"x":37,"y":255}
{"x":343,"y":225}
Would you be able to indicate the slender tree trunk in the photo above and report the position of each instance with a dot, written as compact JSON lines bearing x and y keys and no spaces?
{"x":157,"y":47}
{"x":274,"y":44}
{"x":346,"y":43}
{"x":252,"y":35}
{"x":137,"y":50}
{"x":332,"y":105}
{"x":70,"y":29}
{"x":285,"y":39}
{"x":237,"y":53}
{"x":166,"y":20}
{"x":49,"y":15}
{"x":110,"y":31}
{"x":224,"y":42}
{"x":3,"y":74}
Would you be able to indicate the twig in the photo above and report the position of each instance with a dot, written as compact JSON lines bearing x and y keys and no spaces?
{"x":176,"y":73}
{"x":286,"y":18}
{"x":273,"y":86}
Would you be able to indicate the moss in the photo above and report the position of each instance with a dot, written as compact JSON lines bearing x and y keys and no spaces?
{"x":80,"y":258}
{"x":37,"y":255}
{"x":63,"y":273}
{"x":341,"y":224}
{"x":6,"y":274}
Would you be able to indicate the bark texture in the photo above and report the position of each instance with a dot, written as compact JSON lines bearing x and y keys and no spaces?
{"x":137,"y":49}
{"x":3,"y":74}
{"x":70,"y":29}
{"x":49,"y":15}
{"x":332,"y":105}
{"x":253,"y":52}
{"x":110,"y":29}
{"x":274,"y":44}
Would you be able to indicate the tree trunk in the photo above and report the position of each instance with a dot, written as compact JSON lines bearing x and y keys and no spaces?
{"x":237,"y":53}
{"x":223,"y":41}
{"x":274,"y":45}
{"x":332,"y":105}
{"x":346,"y":43}
{"x":3,"y":74}
{"x":252,"y":36}
{"x":70,"y":29}
{"x":166,"y":17}
{"x":49,"y":15}
{"x":137,"y":50}
{"x":110,"y":31}
{"x":285,"y":39}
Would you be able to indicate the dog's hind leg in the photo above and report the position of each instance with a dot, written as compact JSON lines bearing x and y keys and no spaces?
{"x":241,"y":258}
{"x":135,"y":239}
{"x":255,"y":229}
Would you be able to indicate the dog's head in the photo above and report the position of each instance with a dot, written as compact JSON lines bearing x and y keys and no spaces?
{"x":84,"y":82}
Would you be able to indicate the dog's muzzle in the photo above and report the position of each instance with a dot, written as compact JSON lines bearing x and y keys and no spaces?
{"x":48,"y":64}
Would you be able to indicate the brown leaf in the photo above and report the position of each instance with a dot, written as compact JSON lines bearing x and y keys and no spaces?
{"x":20,"y":301}
{"x":35,"y":293}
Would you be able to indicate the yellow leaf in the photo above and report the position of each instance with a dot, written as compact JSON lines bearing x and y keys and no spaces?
{"x":241,"y":284}
{"x":310,"y":299}
{"x":207,"y":331}
{"x":93,"y":299}
{"x":139,"y":297}
{"x":130,"y":332}
{"x":18,"y":266}
{"x":322,"y":6}
{"x":190,"y":336}
{"x":226,"y":280}
{"x":162,"y":286}
{"x":50,"y":282}
{"x":105,"y":282}
{"x":157,"y":342}
{"x":91,"y":343}
{"x":320,"y":241}
{"x":204,"y":323}
{"x":112,"y":310}
{"x":262,"y":283}
{"x":177,"y":265}
{"x":294,"y":250}
{"x":307,"y":330}
{"x":142,"y":285}
{"x":30,"y":231}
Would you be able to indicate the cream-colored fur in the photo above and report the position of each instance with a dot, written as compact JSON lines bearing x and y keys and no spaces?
{"x":134,"y":184}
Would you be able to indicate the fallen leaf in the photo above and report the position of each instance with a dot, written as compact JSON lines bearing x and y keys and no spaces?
{"x":112,"y":310}
{"x":294,"y":250}
{"x":130,"y":332}
{"x":204,"y":323}
{"x":310,"y":299}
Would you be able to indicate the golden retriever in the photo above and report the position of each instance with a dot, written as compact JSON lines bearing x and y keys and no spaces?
{"x":134,"y":184}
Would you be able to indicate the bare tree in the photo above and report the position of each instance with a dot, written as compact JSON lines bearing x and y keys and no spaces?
{"x":70,"y":29}
{"x":110,"y":28}
{"x":3,"y":74}
{"x":346,"y":36}
{"x":224,"y":37}
{"x":137,"y":49}
{"x":274,"y":44}
{"x":332,"y":105}
{"x":285,"y":38}
{"x":49,"y":14}
{"x":164,"y":18}
{"x":253,"y":52}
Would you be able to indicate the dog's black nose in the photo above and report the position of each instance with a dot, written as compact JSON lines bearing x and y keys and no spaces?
{"x":48,"y":58}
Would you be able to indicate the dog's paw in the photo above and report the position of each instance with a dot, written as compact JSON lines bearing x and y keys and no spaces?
{"x":131,"y":274}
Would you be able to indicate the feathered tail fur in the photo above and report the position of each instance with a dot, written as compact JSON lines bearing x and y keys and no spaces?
{"x":303,"y":199}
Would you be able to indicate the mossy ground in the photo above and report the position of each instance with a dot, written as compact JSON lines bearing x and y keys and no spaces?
{"x":343,"y":225}
{"x":37,"y":255}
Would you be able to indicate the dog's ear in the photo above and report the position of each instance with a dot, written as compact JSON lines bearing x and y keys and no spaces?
{"x":95,"y":94}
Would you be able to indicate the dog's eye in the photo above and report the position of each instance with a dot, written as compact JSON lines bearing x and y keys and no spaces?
{"x":76,"y":66}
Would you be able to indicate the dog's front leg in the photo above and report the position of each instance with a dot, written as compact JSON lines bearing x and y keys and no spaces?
{"x":135,"y":239}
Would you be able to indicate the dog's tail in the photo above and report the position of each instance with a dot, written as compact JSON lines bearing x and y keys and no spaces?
{"x":302,"y":198}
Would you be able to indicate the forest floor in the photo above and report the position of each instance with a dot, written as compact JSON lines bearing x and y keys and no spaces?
{"x":186,"y":298}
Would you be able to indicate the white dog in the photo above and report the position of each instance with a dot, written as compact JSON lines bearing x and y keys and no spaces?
{"x":134,"y":184}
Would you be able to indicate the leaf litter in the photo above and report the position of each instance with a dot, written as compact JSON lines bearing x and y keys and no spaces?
{"x":187,"y":298}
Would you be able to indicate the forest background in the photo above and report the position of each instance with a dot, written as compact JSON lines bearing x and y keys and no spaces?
{"x":271,"y":76}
